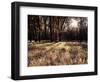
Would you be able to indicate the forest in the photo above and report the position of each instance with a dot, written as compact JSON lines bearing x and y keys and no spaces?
{"x":57,"y":40}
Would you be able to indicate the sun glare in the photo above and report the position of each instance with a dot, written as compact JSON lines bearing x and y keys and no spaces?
{"x":74,"y":23}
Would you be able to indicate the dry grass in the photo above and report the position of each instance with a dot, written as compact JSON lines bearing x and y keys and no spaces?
{"x":60,"y":53}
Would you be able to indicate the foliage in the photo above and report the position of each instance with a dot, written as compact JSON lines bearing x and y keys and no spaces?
{"x":57,"y":28}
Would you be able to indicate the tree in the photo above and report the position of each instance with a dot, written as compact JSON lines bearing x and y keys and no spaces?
{"x":83,"y":28}
{"x":57,"y":28}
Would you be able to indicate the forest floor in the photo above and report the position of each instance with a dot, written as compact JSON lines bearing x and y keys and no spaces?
{"x":57,"y":53}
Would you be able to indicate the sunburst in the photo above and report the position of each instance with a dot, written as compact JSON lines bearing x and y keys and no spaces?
{"x":74,"y":23}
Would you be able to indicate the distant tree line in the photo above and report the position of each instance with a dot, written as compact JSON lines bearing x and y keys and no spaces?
{"x":56,"y":28}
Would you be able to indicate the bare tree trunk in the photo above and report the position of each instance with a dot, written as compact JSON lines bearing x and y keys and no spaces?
{"x":38,"y":29}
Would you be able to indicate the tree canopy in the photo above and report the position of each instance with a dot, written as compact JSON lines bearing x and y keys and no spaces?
{"x":57,"y":28}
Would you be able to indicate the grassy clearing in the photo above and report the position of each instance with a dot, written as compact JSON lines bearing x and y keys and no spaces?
{"x":57,"y":53}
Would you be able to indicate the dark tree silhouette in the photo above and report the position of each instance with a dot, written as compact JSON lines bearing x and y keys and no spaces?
{"x":57,"y":28}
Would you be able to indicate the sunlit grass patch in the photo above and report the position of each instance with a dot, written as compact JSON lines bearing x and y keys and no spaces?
{"x":58,"y":53}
